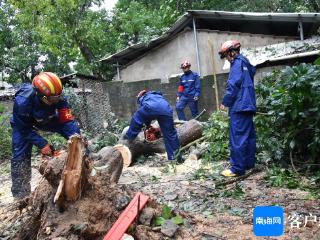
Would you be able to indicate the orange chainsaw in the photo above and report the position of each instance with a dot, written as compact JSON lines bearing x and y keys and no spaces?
{"x":56,"y":153}
{"x":152,"y":134}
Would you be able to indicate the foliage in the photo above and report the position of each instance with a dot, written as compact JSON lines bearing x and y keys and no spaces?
{"x":62,"y":32}
{"x":281,"y":177}
{"x":2,"y":108}
{"x":166,"y":214}
{"x":292,"y":127}
{"x":104,"y":139}
{"x":56,"y":140}
{"x":236,"y":193}
{"x":5,"y":137}
{"x":217,"y":135}
{"x":53,"y":35}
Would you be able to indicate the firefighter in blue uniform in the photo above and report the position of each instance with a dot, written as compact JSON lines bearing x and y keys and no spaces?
{"x":188,"y":91}
{"x":37,"y":106}
{"x":241,"y":101}
{"x":152,"y":106}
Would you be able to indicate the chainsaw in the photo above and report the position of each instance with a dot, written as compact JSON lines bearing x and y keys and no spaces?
{"x":55,"y":153}
{"x":152,"y":134}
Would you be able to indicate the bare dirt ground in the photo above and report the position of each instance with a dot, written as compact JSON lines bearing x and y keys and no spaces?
{"x":210,"y":212}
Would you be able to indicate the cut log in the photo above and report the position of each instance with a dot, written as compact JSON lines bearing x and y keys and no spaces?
{"x":130,"y":150}
{"x":110,"y":160}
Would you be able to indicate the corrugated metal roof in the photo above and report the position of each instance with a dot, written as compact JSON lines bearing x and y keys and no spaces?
{"x":280,"y":51}
{"x":284,"y":24}
{"x":254,"y":16}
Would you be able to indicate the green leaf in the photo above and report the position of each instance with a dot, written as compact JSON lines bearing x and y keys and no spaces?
{"x":177,"y":220}
{"x":317,"y":61}
{"x":166,"y":212}
{"x":159,"y":221}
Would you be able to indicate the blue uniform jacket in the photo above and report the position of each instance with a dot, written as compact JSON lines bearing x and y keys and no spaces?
{"x":190,"y":82}
{"x":151,"y":105}
{"x":155,"y":104}
{"x":240,"y":95}
{"x":29,"y":114}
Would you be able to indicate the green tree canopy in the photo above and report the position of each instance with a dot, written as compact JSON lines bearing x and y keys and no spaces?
{"x":52,"y":35}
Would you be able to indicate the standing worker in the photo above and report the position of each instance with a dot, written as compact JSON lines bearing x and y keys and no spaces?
{"x":188,"y":91}
{"x":241,"y":101}
{"x":39,"y":105}
{"x":153,"y":106}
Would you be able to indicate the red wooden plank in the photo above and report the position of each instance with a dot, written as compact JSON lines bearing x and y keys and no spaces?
{"x":126,"y":217}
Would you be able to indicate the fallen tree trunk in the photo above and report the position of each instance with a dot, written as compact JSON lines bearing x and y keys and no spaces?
{"x":130,"y":150}
{"x":189,"y":131}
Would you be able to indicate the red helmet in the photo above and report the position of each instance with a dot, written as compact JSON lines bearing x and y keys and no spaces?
{"x":229,"y":46}
{"x":185,"y":64}
{"x":140,"y":95}
{"x":48,"y":84}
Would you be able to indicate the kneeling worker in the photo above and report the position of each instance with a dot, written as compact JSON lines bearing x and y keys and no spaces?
{"x":153,"y":106}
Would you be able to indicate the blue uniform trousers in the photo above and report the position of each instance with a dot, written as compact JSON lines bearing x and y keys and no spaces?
{"x":182,"y":103}
{"x":242,"y":142}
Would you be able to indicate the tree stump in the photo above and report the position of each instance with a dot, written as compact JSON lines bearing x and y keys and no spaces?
{"x":85,"y":203}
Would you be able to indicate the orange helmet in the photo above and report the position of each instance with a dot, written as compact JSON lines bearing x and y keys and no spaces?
{"x":141,"y":93}
{"x":185,"y":64}
{"x":48,"y":84}
{"x":229,"y":46}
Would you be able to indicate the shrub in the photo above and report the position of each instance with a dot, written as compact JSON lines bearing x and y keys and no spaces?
{"x":291,"y":99}
{"x":217,"y":134}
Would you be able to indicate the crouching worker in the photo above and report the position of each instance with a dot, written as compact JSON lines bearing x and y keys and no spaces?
{"x":152,"y":106}
{"x":37,"y":106}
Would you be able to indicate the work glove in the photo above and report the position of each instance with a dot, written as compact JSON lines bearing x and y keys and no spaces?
{"x":47,"y":150}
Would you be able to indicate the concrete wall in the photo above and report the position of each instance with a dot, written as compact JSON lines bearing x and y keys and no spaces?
{"x":121,"y":98}
{"x":164,"y":61}
{"x":210,"y":42}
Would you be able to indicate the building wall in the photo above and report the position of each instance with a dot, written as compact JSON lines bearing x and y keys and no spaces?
{"x":210,"y":42}
{"x":123,"y":102}
{"x":164,"y":61}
